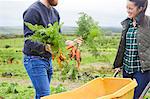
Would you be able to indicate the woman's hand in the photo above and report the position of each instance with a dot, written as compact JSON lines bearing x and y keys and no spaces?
{"x":117,"y":69}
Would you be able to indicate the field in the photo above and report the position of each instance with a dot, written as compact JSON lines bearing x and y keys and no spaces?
{"x":15,"y":83}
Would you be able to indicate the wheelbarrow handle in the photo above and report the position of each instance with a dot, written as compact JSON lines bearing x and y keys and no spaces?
{"x":116,"y":73}
{"x":145,"y":91}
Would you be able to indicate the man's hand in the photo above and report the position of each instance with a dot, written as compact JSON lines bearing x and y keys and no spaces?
{"x":48,"y":48}
{"x":69,"y":42}
{"x":79,"y":40}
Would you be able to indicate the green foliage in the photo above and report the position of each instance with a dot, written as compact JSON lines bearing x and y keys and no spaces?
{"x":7,"y":90}
{"x":12,"y":88}
{"x":69,"y":71}
{"x":85,"y":24}
{"x":11,"y":43}
{"x":58,"y":89}
{"x":90,"y":32}
{"x":48,"y":35}
{"x":15,"y":91}
{"x":11,"y":61}
{"x":11,"y":52}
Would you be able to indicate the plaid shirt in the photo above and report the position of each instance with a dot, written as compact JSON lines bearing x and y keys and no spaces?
{"x":131,"y":62}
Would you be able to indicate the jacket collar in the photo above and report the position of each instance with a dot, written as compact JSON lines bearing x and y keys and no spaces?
{"x":144,"y":22}
{"x":125,"y":23}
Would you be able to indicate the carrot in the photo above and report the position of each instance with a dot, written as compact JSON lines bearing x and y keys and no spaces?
{"x":59,"y":62}
{"x":62,"y":57}
{"x":69,"y":46}
{"x":73,"y":52}
{"x":78,"y":56}
{"x":53,"y":57}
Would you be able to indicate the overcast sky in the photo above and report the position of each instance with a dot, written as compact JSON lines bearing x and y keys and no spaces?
{"x":106,"y":12}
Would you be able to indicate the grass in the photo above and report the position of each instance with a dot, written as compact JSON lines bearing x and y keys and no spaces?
{"x":16,"y":67}
{"x":10,"y":49}
{"x":15,"y":91}
{"x":13,"y":43}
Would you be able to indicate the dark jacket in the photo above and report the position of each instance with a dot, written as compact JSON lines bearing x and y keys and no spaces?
{"x":39,"y":14}
{"x":143,"y":40}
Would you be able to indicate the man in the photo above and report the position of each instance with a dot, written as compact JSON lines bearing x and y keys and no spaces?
{"x":37,"y":57}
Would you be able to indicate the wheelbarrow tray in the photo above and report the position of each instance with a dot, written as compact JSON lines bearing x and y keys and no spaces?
{"x":100,"y":88}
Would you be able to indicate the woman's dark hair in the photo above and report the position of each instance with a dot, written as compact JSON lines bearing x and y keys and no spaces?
{"x":141,"y":3}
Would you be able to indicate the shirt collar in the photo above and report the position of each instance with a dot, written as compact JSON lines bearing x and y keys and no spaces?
{"x":131,"y":23}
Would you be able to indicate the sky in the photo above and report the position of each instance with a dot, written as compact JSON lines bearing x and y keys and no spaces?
{"x":108,"y":13}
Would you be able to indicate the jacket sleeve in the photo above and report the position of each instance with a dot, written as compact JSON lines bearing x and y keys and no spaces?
{"x":120,"y":53}
{"x":58,"y":19}
{"x":32,"y":16}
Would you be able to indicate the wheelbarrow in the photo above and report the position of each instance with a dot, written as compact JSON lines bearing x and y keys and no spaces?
{"x":100,"y":88}
{"x":145,"y":91}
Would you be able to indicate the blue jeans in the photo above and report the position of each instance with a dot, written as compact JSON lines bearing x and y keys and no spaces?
{"x":40,"y":72}
{"x":142,"y":80}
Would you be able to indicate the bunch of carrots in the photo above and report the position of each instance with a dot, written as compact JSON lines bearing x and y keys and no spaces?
{"x":74,"y":53}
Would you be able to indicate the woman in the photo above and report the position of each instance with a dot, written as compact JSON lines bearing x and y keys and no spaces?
{"x":134,"y":50}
